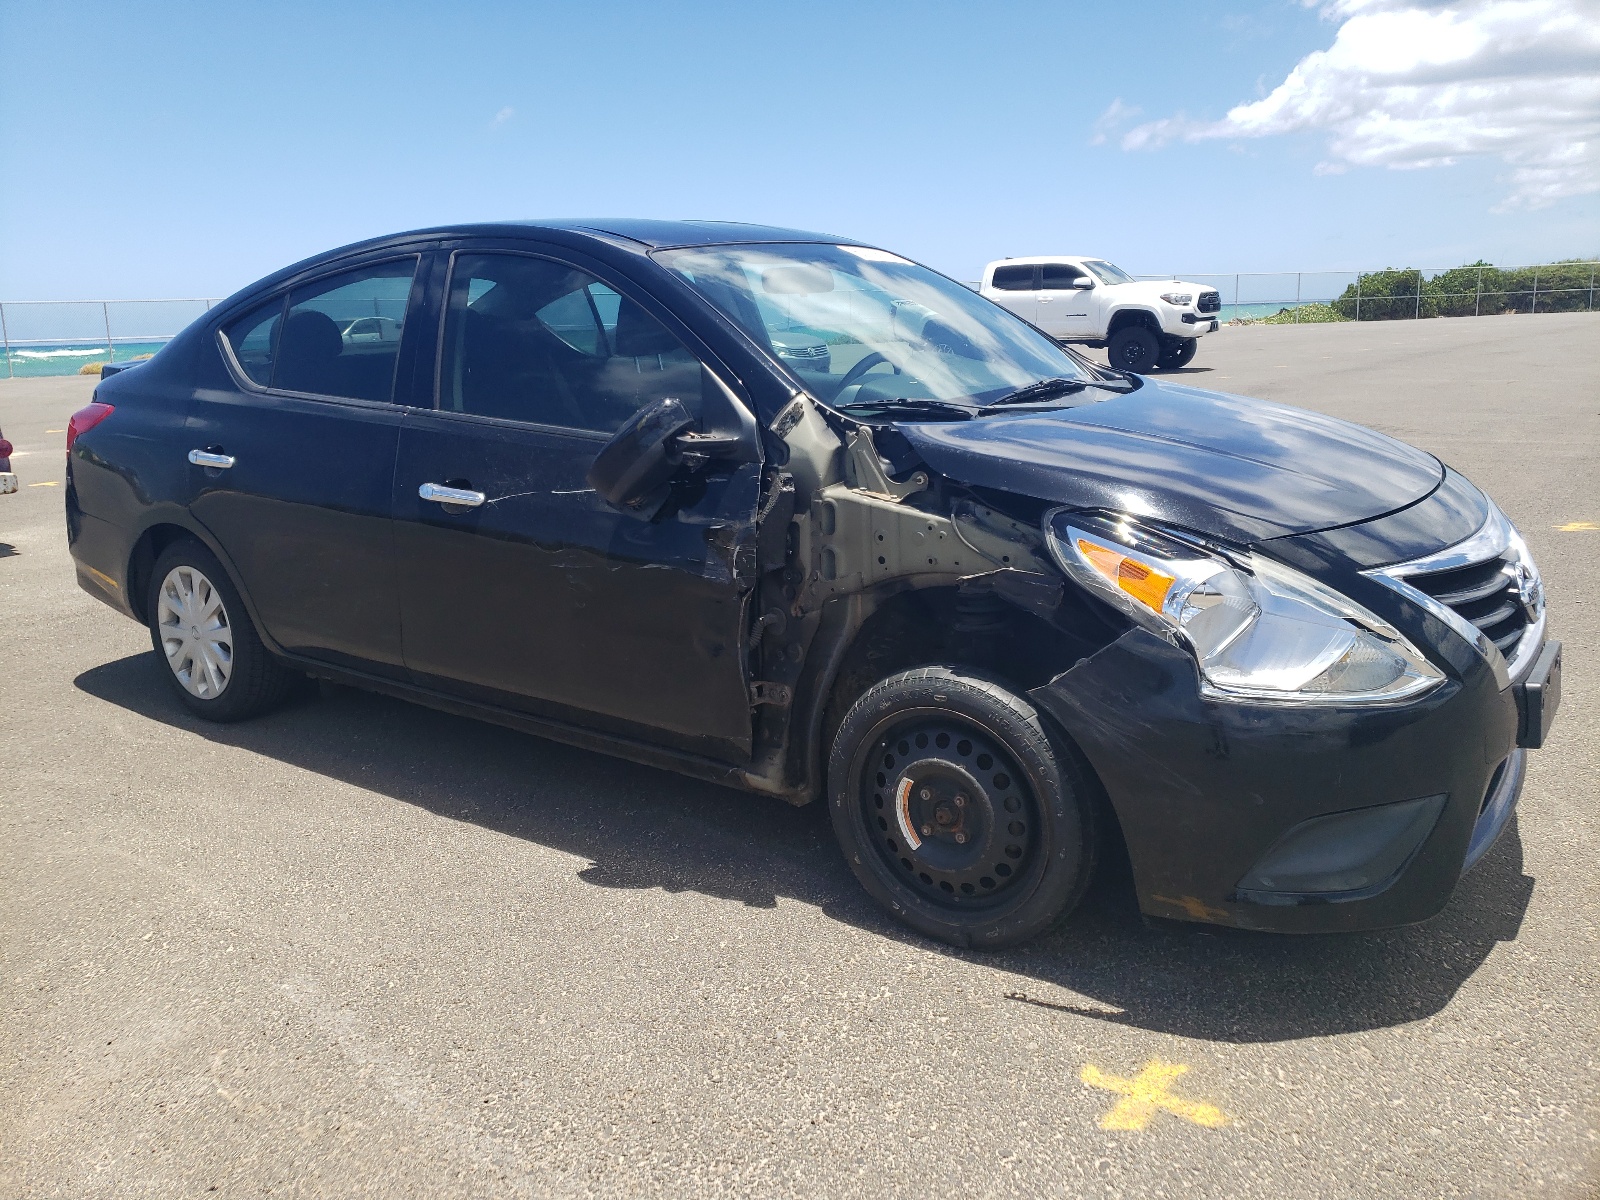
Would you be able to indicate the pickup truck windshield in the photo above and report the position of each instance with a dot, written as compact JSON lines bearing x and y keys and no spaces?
{"x":1109,"y":275}
{"x":864,"y":327}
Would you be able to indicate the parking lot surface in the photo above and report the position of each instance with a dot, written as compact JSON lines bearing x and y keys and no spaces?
{"x":358,"y":947}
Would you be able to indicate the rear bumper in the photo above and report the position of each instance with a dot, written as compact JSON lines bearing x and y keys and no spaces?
{"x":1220,"y":804}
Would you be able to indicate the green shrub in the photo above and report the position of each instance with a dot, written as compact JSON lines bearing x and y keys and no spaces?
{"x":1476,"y":289}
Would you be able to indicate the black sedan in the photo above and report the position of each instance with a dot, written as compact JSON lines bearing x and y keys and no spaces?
{"x":799,"y":516}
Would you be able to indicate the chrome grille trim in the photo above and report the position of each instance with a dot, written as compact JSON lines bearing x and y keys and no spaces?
{"x":1497,"y":539}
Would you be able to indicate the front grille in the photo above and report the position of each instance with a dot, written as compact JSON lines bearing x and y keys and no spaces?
{"x":1209,"y":302}
{"x":1484,"y":594}
{"x":804,"y":352}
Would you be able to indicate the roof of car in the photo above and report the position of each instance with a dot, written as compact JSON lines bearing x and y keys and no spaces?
{"x":631,"y":233}
{"x":656,"y":234}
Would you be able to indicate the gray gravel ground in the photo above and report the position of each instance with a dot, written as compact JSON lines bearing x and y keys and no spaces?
{"x":359,"y":947}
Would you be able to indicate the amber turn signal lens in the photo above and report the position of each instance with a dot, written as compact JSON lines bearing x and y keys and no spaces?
{"x":1145,"y":584}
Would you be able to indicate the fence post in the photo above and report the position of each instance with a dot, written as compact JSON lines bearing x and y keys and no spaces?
{"x":111,"y":350}
{"x":1534,"y":307}
{"x":6,"y":332}
{"x":1416,"y":312}
{"x":1591,"y":287}
{"x":1297,"y":297}
{"x":1236,"y":297}
{"x":1358,"y":295}
{"x":1478,"y":299}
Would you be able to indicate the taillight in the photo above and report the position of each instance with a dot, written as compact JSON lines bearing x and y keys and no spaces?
{"x":5,"y":448}
{"x":85,"y":419}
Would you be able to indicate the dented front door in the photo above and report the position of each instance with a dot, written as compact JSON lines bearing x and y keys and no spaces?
{"x":546,"y":599}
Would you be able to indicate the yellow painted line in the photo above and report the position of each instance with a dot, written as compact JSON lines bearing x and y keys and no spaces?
{"x":48,"y":483}
{"x":55,"y":430}
{"x":1147,"y":1094}
{"x":1579,"y":527}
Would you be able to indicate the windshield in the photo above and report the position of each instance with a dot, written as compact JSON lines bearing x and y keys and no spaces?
{"x":1108,"y":274}
{"x":861,"y":327}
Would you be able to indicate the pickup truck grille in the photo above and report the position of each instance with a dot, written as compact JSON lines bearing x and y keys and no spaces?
{"x":1209,"y":302}
{"x":1484,"y":594}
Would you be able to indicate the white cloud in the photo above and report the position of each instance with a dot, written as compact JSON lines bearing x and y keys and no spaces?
{"x":504,"y":115}
{"x":1116,"y":115}
{"x":1414,"y":85}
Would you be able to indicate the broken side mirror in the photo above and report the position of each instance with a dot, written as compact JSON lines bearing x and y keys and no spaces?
{"x":634,"y":470}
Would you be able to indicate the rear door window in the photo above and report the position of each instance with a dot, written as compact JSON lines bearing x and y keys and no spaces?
{"x":341,"y":334}
{"x":1014,"y":279}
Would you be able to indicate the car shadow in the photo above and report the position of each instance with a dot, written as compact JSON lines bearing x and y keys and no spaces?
{"x":7,"y":550}
{"x":644,"y":828}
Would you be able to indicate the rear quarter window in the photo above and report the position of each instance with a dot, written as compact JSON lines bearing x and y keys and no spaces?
{"x":254,"y":338}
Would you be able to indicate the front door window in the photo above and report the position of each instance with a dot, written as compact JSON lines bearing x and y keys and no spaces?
{"x":531,"y":340}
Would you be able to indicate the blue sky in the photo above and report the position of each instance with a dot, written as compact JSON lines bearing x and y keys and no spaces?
{"x":167,"y":149}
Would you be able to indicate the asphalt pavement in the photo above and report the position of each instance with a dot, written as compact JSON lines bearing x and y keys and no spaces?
{"x":361,"y":948}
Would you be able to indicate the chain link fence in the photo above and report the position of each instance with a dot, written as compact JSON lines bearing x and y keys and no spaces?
{"x":1478,"y":289}
{"x":68,"y":337}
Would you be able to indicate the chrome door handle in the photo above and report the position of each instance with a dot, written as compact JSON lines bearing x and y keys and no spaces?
{"x":204,"y":458}
{"x":450,"y":495}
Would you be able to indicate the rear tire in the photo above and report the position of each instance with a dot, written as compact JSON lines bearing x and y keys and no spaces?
{"x":959,"y":809}
{"x":210,"y":651}
{"x":1180,"y":355}
{"x":1133,"y":348}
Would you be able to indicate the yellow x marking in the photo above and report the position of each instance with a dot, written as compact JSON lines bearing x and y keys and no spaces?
{"x":1147,"y":1092}
{"x":1578,"y":527}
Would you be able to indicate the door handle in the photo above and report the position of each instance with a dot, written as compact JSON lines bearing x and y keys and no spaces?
{"x":207,"y":458}
{"x":450,"y":495}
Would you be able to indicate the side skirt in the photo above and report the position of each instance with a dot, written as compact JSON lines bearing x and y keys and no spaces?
{"x":644,"y":753}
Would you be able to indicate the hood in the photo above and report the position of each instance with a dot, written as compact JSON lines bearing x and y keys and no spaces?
{"x":1226,"y":466}
{"x":1151,"y":289}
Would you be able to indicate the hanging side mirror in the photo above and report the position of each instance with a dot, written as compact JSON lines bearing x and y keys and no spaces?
{"x":634,"y":470}
{"x":1082,"y":283}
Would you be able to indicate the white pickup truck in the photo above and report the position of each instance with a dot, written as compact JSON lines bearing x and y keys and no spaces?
{"x":1142,"y":324}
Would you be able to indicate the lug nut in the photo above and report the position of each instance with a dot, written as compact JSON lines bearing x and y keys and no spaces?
{"x":927,"y":831}
{"x":925,"y":794}
{"x":961,"y":801}
{"x":961,"y":838}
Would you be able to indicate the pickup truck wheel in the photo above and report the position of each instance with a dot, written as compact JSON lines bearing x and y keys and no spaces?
{"x":213,"y":657}
{"x":1180,"y":355}
{"x":1133,"y":348}
{"x":959,"y":809}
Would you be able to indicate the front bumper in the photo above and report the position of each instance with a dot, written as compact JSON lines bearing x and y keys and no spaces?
{"x":1186,"y":323}
{"x":1205,"y":790}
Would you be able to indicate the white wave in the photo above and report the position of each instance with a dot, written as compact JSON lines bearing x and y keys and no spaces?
{"x":58,"y":353}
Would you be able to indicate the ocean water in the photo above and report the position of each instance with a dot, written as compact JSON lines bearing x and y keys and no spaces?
{"x":31,"y":361}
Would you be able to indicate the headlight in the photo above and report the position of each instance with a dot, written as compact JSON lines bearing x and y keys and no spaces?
{"x":1179,"y":298}
{"x":1258,"y":629}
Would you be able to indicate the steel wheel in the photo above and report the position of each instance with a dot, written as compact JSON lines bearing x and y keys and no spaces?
{"x":196,"y":635}
{"x":950,"y":808}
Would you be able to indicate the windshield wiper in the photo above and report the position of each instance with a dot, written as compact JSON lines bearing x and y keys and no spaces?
{"x":910,"y":406}
{"x":1047,"y":389}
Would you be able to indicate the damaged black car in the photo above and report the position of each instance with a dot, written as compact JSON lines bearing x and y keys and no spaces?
{"x":797,"y":515}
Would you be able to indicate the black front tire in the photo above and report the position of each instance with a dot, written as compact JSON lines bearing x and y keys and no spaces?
{"x":1179,"y":355}
{"x":1017,"y":854}
{"x":256,"y":680}
{"x":1133,"y":348}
